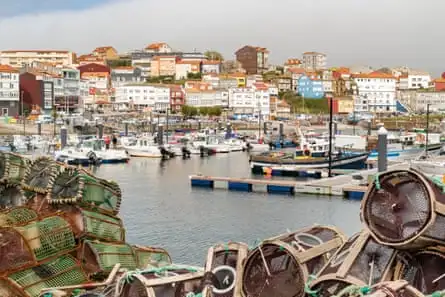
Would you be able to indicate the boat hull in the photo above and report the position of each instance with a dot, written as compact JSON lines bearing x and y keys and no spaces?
{"x":408,"y":153}
{"x":357,"y":161}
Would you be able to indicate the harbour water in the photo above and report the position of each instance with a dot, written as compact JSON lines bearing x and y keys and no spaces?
{"x":161,"y":209}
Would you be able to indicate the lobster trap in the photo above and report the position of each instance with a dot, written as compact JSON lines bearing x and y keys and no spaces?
{"x":424,"y":269}
{"x":399,"y":288}
{"x":62,"y":271}
{"x":93,"y":225}
{"x":39,"y":174}
{"x":99,"y":258}
{"x":361,"y":261}
{"x":169,"y":281}
{"x":404,"y":209}
{"x":224,"y":262}
{"x":17,"y":216}
{"x":77,"y":186}
{"x":281,"y":265}
{"x":11,"y":196}
{"x":147,"y":257}
{"x":30,"y":244}
{"x":12,"y":167}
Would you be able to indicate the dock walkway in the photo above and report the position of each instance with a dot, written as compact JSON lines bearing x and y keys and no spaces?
{"x":342,"y":185}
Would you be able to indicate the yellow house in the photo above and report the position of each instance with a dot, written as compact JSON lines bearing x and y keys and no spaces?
{"x":106,"y":52}
{"x":240,"y":78}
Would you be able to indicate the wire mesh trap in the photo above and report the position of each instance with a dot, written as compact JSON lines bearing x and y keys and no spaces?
{"x":78,"y":186}
{"x":361,"y":261}
{"x":99,"y":258}
{"x":148,"y":257}
{"x":62,"y":271}
{"x":424,"y":269}
{"x":11,"y":196}
{"x":12,"y":167}
{"x":398,"y":288}
{"x":39,"y":174}
{"x":405,"y":209}
{"x":174,"y":281}
{"x":17,"y":216}
{"x":93,"y":225}
{"x":281,"y":265}
{"x":28,"y":245}
{"x":224,"y":266}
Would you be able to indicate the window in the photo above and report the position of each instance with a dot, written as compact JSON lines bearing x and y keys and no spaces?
{"x":4,"y":112}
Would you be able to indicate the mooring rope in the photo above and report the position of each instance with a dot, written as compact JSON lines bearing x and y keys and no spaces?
{"x":307,"y":286}
{"x":353,"y":290}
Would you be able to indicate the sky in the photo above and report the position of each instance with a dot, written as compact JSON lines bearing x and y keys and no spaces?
{"x":351,"y":32}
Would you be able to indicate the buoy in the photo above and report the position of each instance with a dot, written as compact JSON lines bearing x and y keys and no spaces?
{"x":267,"y":171}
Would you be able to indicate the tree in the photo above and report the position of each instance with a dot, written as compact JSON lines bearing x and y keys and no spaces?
{"x":215,"y":111}
{"x":189,"y":111}
{"x":214,"y":55}
{"x":191,"y":75}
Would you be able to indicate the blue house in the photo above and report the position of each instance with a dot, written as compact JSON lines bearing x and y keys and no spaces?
{"x":310,"y":88}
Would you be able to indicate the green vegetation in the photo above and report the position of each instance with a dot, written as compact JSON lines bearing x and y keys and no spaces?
{"x":190,"y":111}
{"x":161,"y":79}
{"x":313,"y":106}
{"x":118,"y":63}
{"x":191,"y":75}
{"x":214,"y":55}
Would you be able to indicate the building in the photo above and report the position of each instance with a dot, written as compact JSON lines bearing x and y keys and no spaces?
{"x":19,"y":58}
{"x":248,"y":102}
{"x":284,"y":83}
{"x":415,"y":80}
{"x":283,"y":110}
{"x":423,"y":98}
{"x":177,"y":98}
{"x":240,"y":78}
{"x":211,"y":67}
{"x":37,"y":89}
{"x":313,"y":61}
{"x":163,"y":66}
{"x":159,"y":47}
{"x":376,"y":92}
{"x":123,"y":75}
{"x":94,"y":67}
{"x":184,"y":67}
{"x":253,"y":59}
{"x":9,"y":91}
{"x":295,"y":74}
{"x":71,"y":91}
{"x":310,"y":87}
{"x":292,"y":64}
{"x":88,"y":59}
{"x":206,"y":98}
{"x":99,"y":82}
{"x":105,"y":53}
{"x":143,"y":97}
{"x":439,"y":84}
{"x":342,"y":105}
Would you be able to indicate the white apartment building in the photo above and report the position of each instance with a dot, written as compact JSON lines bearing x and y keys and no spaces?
{"x":206,"y":98}
{"x":376,"y":93}
{"x":143,"y":96}
{"x":415,"y":80}
{"x":313,"y":61}
{"x":435,"y":99}
{"x":249,"y":102}
{"x":9,"y":91}
{"x":18,"y":58}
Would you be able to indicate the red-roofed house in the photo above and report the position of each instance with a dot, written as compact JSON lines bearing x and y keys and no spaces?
{"x":211,"y":67}
{"x":376,"y":92}
{"x":439,"y":84}
{"x":105,"y":52}
{"x":158,"y":47}
{"x":163,"y":65}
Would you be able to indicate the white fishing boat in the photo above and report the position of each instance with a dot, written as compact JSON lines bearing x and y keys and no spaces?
{"x":211,"y":142}
{"x":72,"y":156}
{"x":143,"y":147}
{"x":235,"y":145}
{"x":96,"y":149}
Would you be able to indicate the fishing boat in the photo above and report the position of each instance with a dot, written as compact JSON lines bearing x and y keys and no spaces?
{"x":96,"y":148}
{"x":146,"y":147}
{"x":72,"y":156}
{"x":235,"y":145}
{"x":211,"y":142}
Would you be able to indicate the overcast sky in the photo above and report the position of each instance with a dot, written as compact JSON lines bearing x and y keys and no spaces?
{"x":350,"y":32}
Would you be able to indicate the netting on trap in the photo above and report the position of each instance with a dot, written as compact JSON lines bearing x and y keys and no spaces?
{"x":93,"y":225}
{"x":39,"y":174}
{"x":163,"y":282}
{"x":424,"y":269}
{"x":223,"y":268}
{"x":12,"y":167}
{"x":78,"y":186}
{"x":281,"y":265}
{"x":62,"y":271}
{"x":361,"y":261}
{"x":30,"y":244}
{"x":398,"y":288}
{"x":99,"y":258}
{"x":17,"y":216}
{"x":405,"y":209}
{"x":148,"y":257}
{"x":11,"y":196}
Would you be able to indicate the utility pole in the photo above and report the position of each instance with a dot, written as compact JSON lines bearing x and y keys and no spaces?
{"x":330,"y":137}
{"x":23,"y":113}
{"x":427,"y":127}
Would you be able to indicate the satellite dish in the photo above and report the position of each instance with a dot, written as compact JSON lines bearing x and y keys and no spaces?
{"x":226,"y":276}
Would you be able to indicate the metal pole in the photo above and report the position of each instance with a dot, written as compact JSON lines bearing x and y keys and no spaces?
{"x":23,"y":114}
{"x":330,"y":137}
{"x":166,"y":129}
{"x":353,"y":122}
{"x":259,"y":121}
{"x":427,"y":127}
{"x":382,"y":143}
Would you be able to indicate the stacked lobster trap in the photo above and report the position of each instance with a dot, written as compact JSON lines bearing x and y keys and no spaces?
{"x":60,"y":231}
